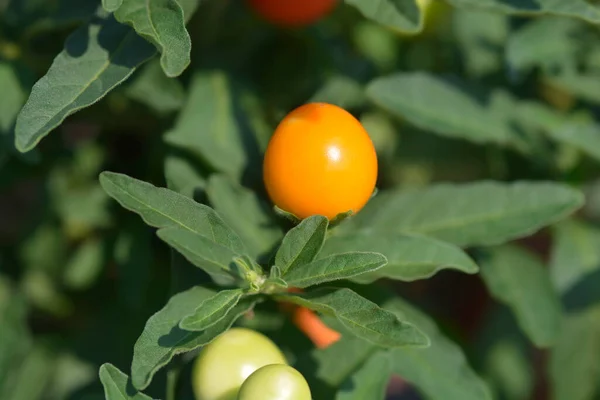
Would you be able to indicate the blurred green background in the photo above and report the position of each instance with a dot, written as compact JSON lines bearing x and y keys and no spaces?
{"x":79,"y":276}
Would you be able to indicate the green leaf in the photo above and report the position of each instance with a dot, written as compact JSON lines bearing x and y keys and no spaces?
{"x":583,"y":135}
{"x":302,"y":243}
{"x":197,"y":230}
{"x":12,"y":100}
{"x":518,"y":279}
{"x":273,"y":284}
{"x":162,"y":23}
{"x":85,"y":265}
{"x":211,"y":310}
{"x":327,"y":369}
{"x":402,"y":15}
{"x":341,"y":91}
{"x":474,"y":214}
{"x":133,"y":254}
{"x":545,"y":42}
{"x":441,"y":106}
{"x":189,"y":8}
{"x":575,"y":253}
{"x":216,"y":131}
{"x":246,"y":213}
{"x":15,"y":339}
{"x":162,"y":338}
{"x":182,"y":176}
{"x":152,"y":88}
{"x":573,"y":8}
{"x":97,"y":57}
{"x":410,"y":257}
{"x":361,"y":316}
{"x":508,"y":369}
{"x":117,"y":385}
{"x":481,"y":36}
{"x":30,"y":376}
{"x":215,"y":259}
{"x":441,"y":371}
{"x":574,"y":360}
{"x":334,"y":267}
{"x":111,"y":5}
{"x":582,"y":85}
{"x":163,"y":208}
{"x":369,"y":381}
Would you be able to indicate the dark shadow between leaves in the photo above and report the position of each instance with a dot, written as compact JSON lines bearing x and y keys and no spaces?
{"x":174,"y":336}
{"x":77,"y":43}
{"x":252,"y":174}
{"x":127,"y":48}
{"x":409,"y":9}
{"x":583,"y":294}
{"x":524,"y":5}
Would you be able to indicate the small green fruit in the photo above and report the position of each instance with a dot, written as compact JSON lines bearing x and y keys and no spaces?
{"x":275,"y":382}
{"x":224,"y":364}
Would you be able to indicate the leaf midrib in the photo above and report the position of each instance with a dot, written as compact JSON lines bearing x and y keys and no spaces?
{"x":228,"y":304}
{"x":482,"y":218}
{"x":149,"y":207}
{"x":317,"y":277}
{"x":102,"y":69}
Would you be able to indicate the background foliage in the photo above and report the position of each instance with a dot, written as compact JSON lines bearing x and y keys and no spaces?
{"x":485,"y":118}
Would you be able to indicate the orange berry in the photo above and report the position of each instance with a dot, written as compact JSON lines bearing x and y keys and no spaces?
{"x":292,"y":13}
{"x":320,"y":161}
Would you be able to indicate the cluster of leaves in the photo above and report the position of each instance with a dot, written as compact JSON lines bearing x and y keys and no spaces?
{"x":501,"y":93}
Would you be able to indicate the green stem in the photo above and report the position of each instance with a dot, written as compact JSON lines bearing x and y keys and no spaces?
{"x":172,"y":378}
{"x":174,"y":367}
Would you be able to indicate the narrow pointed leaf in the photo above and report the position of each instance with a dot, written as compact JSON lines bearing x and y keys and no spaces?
{"x":302,"y":243}
{"x":163,"y":208}
{"x":327,"y":369}
{"x":162,"y":23}
{"x":97,"y":57}
{"x":189,"y":8}
{"x":211,"y":310}
{"x":370,"y":381}
{"x":474,"y":214}
{"x":246,"y":213}
{"x":12,"y":100}
{"x":410,"y":257}
{"x":574,"y":368}
{"x":111,"y":5}
{"x":117,"y":385}
{"x":572,"y":8}
{"x":441,"y":371}
{"x":162,"y":338}
{"x":575,"y":253}
{"x":402,"y":15}
{"x":215,"y":259}
{"x":154,"y":89}
{"x":218,"y":132}
{"x":439,"y":105}
{"x":182,"y":176}
{"x":518,"y":279}
{"x":334,"y":267}
{"x":361,"y":316}
{"x":544,"y":42}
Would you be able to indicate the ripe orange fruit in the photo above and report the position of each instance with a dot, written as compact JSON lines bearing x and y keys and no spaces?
{"x":292,"y":13}
{"x":320,"y":161}
{"x":311,"y":325}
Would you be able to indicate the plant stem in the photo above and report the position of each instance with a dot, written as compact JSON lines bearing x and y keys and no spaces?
{"x":172,"y":378}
